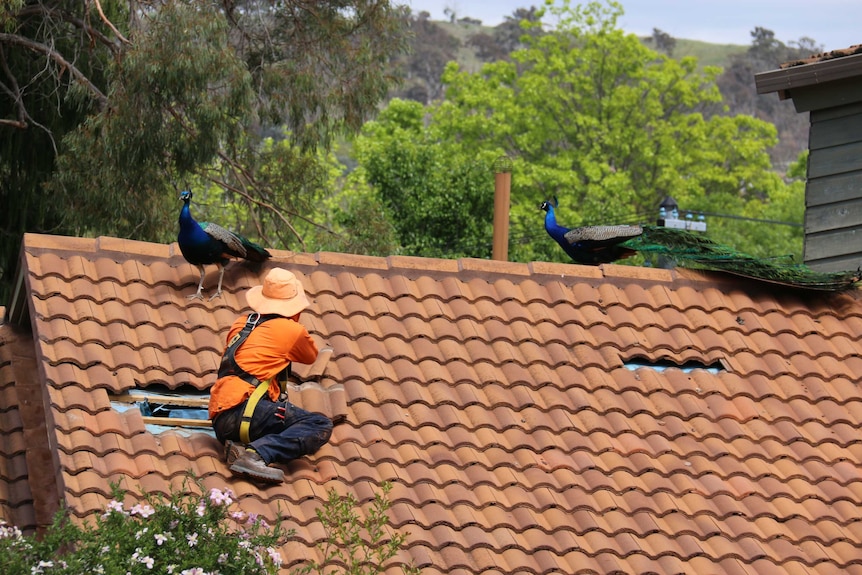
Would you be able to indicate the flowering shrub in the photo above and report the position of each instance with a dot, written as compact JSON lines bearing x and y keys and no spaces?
{"x":191,"y":535}
{"x":181,"y":535}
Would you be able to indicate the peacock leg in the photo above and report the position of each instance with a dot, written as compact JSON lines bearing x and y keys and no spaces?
{"x":220,"y":278}
{"x":199,"y":294}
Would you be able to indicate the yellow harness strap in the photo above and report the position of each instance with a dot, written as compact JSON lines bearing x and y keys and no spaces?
{"x":244,"y":425}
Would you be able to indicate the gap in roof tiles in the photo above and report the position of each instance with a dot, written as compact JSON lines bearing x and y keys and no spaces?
{"x":660,"y":365}
{"x":163,"y":409}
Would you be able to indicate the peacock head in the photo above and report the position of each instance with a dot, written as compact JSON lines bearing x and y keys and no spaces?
{"x":186,"y":196}
{"x":548,"y":204}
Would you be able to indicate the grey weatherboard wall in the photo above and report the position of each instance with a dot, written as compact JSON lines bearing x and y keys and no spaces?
{"x":829,"y":87}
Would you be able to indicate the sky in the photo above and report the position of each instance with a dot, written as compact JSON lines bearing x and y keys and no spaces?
{"x":832,"y":24}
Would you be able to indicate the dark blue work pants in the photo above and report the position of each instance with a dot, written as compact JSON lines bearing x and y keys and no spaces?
{"x":276,"y":440}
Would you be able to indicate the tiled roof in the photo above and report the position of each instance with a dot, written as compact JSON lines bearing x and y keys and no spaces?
{"x":16,"y":499}
{"x":500,"y":399}
{"x":817,"y":70}
{"x":824,"y":56}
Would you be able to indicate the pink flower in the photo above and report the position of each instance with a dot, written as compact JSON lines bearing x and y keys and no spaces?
{"x":114,"y":505}
{"x":221,"y":497}
{"x":10,"y":532}
{"x":274,"y":555}
{"x":142,"y":510}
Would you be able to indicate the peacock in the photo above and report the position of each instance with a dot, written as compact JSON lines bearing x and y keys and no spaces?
{"x":595,"y":245}
{"x":207,"y":243}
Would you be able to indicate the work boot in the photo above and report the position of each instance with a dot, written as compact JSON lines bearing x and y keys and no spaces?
{"x":250,"y":464}
{"x":232,"y":451}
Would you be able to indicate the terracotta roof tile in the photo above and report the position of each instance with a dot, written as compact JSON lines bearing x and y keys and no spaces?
{"x":493,"y":394}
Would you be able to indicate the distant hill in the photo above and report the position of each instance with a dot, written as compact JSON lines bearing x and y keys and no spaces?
{"x":707,"y":54}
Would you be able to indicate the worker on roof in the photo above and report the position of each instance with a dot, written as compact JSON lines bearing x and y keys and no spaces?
{"x":248,"y":404}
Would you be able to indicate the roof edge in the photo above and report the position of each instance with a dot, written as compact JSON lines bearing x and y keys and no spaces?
{"x":808,"y":74}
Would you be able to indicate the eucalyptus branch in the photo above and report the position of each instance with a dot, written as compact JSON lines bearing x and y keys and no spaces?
{"x":273,"y":209}
{"x":109,"y":24}
{"x":40,"y":9}
{"x":258,"y":223}
{"x":245,"y":180}
{"x":13,"y":123}
{"x":52,"y":54}
{"x":14,"y":92}
{"x":250,"y":177}
{"x":241,"y":192}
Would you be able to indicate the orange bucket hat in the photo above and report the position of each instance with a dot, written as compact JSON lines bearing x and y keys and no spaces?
{"x":281,"y":293}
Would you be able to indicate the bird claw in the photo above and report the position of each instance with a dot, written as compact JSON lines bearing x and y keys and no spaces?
{"x":215,"y":295}
{"x":197,"y":295}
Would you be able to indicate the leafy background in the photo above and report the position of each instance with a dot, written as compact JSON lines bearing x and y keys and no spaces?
{"x":361,"y":127}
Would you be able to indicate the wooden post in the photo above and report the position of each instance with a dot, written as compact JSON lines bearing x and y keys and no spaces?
{"x":502,"y":190}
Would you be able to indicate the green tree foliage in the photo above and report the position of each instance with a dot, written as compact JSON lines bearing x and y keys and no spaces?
{"x":438,"y":191}
{"x":167,"y":115}
{"x":48,"y":82}
{"x":586,"y":113}
{"x":108,"y":107}
{"x":360,"y":224}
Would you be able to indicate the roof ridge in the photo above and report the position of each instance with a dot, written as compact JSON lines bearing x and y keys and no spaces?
{"x":395,"y":262}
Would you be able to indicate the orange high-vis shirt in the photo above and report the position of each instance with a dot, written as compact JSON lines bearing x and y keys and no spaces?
{"x":268,"y":349}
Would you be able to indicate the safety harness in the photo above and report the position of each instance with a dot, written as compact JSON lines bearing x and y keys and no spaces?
{"x":229,"y":366}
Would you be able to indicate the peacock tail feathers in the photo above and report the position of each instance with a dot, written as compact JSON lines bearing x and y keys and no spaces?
{"x":680,"y":243}
{"x":696,"y":251}
{"x":254,"y":252}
